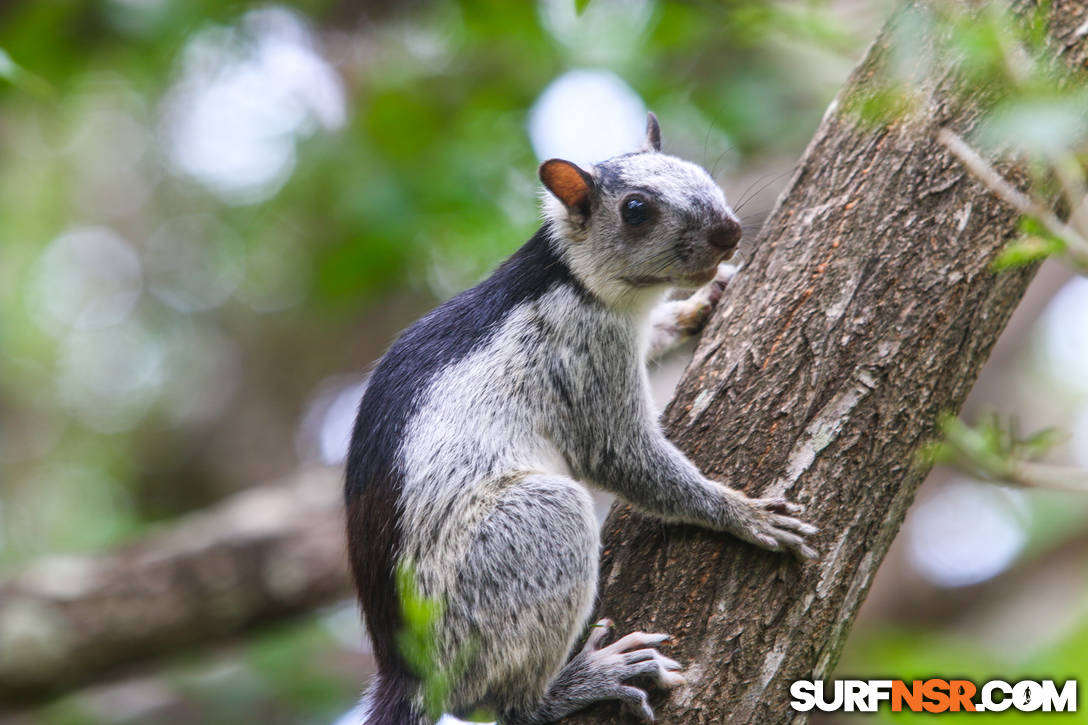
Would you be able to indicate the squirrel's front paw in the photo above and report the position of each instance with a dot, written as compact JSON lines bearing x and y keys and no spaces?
{"x":692,"y":313}
{"x":771,"y":524}
{"x":706,"y":298}
{"x":606,"y":668}
{"x":675,"y":321}
{"x":713,"y":289}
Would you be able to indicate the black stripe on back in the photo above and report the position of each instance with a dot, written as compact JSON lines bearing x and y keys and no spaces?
{"x":373,"y":484}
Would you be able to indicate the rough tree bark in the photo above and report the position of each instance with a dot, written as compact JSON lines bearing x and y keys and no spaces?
{"x":265,"y":554}
{"x":866,"y":309}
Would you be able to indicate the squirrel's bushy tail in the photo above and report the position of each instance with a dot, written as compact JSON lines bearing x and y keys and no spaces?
{"x":387,"y":703}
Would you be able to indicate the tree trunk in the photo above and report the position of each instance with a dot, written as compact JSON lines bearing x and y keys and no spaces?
{"x":265,"y":554}
{"x":866,"y":308}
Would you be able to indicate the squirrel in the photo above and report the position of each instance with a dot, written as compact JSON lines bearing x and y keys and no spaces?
{"x":482,"y":424}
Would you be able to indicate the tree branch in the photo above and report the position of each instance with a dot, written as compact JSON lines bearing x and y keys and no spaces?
{"x":265,"y":554}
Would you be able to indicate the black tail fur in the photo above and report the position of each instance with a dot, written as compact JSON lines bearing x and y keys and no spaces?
{"x":386,"y":702}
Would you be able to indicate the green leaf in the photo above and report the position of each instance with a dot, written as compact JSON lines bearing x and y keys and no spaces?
{"x":417,"y":642}
{"x":1049,"y":125}
{"x":580,"y":6}
{"x":1027,"y":250}
{"x":992,"y":450}
{"x":1037,"y":444}
{"x":882,"y":105}
{"x":8,"y":69}
{"x":19,"y":77}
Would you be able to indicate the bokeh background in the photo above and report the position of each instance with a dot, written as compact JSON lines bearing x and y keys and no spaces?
{"x":215,"y":215}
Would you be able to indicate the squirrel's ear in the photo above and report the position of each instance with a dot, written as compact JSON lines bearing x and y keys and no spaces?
{"x":653,"y":133}
{"x":570,"y":184}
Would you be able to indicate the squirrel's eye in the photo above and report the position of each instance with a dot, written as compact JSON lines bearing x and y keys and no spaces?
{"x":635,"y":211}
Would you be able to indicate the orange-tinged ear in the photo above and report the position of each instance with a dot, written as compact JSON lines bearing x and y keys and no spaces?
{"x":571,"y":184}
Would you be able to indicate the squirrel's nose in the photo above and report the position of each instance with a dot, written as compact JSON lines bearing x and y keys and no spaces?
{"x":724,"y":234}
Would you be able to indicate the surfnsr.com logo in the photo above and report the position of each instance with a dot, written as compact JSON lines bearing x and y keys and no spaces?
{"x":933,"y":695}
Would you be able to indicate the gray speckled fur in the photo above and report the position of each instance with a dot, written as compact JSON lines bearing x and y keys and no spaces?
{"x":495,"y":458}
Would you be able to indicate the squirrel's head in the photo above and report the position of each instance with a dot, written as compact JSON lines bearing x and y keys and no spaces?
{"x":639,"y":222}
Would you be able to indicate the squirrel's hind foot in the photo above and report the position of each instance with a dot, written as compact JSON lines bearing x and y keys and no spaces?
{"x":606,"y":669}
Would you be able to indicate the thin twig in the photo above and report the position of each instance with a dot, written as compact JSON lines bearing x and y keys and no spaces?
{"x":1045,"y":475}
{"x":1071,"y":177}
{"x":984,"y":172}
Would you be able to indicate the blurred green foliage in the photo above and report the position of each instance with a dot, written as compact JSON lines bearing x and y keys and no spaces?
{"x":427,"y":182}
{"x":910,"y":655}
{"x":991,"y":449}
{"x":1034,"y":245}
